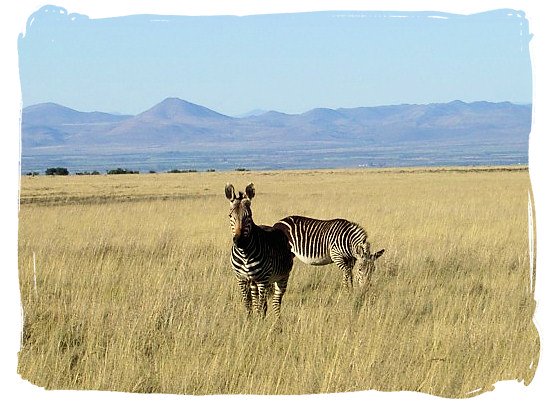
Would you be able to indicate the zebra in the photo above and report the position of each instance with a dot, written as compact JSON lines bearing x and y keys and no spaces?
{"x":261,"y":257}
{"x":322,"y":242}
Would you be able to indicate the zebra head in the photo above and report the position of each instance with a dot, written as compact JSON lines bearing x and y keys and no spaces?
{"x":241,"y":217}
{"x":365,"y":262}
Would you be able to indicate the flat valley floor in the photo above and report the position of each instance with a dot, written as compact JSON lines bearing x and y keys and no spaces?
{"x":126,"y":284}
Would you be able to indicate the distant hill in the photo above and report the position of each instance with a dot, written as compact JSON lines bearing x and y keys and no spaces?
{"x":53,"y":114}
{"x":178,"y":111}
{"x":50,"y":124}
{"x":176,"y":125}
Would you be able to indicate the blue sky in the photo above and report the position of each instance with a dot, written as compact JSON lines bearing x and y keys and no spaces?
{"x":286,"y":62}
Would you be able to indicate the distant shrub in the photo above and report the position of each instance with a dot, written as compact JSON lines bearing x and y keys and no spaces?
{"x":182,"y":171}
{"x":210,"y":170}
{"x":86,"y":173}
{"x":33,"y":173}
{"x":151,"y":171}
{"x":57,"y":171}
{"x":242,"y":170}
{"x":122,"y":171}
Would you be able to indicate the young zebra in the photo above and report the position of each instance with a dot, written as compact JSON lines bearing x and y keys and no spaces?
{"x":320,"y":242}
{"x":261,"y":255}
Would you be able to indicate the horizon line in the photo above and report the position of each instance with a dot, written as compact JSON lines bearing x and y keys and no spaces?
{"x":242,"y":115}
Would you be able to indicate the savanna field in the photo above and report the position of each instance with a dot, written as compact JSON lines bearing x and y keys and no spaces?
{"x":134,"y":290}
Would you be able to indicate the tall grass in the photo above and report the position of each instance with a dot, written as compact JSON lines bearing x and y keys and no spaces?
{"x":134,"y":289}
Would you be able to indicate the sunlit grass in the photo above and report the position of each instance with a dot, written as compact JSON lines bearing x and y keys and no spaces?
{"x":134,"y":289}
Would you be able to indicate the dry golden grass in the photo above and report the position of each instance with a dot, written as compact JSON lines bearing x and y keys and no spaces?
{"x":134,"y":289}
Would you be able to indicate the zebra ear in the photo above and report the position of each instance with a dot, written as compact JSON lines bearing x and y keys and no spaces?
{"x":250,"y":191}
{"x":230,"y":192}
{"x":378,"y":254}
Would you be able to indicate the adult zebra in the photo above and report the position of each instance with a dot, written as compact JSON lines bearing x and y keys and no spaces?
{"x":322,"y":242}
{"x":261,"y":256}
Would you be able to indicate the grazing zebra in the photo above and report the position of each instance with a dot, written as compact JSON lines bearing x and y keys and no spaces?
{"x":261,"y":256}
{"x":320,"y":242}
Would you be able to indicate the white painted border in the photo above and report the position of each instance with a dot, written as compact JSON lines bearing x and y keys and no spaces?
{"x":15,"y":18}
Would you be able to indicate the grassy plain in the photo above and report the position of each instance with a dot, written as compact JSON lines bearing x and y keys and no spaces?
{"x":134,"y":290}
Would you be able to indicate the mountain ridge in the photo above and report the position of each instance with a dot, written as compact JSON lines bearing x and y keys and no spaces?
{"x":176,"y":125}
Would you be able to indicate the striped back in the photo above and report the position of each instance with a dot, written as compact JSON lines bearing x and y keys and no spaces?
{"x":313,"y":240}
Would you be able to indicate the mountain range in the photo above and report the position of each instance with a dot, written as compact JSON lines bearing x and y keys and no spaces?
{"x":54,"y":131}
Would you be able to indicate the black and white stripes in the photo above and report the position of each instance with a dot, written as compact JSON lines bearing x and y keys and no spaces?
{"x":261,"y":256}
{"x":321,"y":242}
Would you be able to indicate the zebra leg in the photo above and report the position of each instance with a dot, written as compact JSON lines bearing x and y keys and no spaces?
{"x":279,"y":291}
{"x":262,"y":303}
{"x":348,"y":276}
{"x":246,"y":295}
{"x":254,"y":296}
{"x":346,"y":267}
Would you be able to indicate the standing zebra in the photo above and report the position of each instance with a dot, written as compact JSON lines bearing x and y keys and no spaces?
{"x":319,"y":242}
{"x":261,"y":256}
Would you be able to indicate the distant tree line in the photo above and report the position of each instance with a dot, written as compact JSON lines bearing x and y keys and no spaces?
{"x":62,"y":171}
{"x":122,"y":171}
{"x":86,"y":173}
{"x":182,"y":171}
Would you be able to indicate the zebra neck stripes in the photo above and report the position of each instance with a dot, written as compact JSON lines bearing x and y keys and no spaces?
{"x":247,"y":255}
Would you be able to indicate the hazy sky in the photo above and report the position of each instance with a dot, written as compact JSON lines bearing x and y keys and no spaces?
{"x":285,"y":62}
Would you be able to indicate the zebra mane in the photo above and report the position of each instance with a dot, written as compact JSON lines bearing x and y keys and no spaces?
{"x":362,"y":229}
